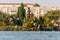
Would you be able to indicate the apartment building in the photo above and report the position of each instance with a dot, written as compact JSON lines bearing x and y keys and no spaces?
{"x":12,"y":8}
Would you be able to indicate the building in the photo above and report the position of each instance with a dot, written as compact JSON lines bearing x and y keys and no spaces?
{"x":12,"y":8}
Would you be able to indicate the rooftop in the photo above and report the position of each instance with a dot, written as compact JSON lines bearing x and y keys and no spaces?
{"x":14,"y":4}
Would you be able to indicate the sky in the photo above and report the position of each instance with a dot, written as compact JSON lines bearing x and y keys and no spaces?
{"x":40,"y":2}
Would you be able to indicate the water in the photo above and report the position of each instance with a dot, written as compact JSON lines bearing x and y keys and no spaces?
{"x":31,"y":35}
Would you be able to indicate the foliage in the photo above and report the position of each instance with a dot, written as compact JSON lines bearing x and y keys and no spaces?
{"x":21,"y":11}
{"x":36,"y":5}
{"x":2,"y":15}
{"x":13,"y":16}
{"x":30,"y":23}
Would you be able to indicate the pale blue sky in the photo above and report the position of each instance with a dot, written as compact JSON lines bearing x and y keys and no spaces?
{"x":41,"y":2}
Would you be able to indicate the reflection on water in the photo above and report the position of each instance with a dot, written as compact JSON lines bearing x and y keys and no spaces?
{"x":31,"y":35}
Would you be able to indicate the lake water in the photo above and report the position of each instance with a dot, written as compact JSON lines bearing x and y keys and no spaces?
{"x":29,"y":35}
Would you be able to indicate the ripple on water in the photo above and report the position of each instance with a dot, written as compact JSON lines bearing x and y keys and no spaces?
{"x":29,"y":35}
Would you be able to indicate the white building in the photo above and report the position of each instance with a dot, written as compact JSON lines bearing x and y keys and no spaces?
{"x":12,"y":8}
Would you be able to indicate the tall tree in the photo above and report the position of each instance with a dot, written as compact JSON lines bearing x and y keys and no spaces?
{"x":28,"y":12}
{"x":21,"y":11}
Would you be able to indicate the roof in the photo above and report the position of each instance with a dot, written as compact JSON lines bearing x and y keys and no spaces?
{"x":14,"y":4}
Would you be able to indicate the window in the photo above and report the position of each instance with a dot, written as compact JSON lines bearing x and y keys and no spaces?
{"x":13,"y":11}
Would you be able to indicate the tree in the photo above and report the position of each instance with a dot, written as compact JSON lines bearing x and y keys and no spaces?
{"x":41,"y":21}
{"x":54,"y":14}
{"x":49,"y":17}
{"x":2,"y":15}
{"x":36,"y":5}
{"x":32,"y":15}
{"x":2,"y":25}
{"x":13,"y":15}
{"x":21,"y":11}
{"x":28,"y":12}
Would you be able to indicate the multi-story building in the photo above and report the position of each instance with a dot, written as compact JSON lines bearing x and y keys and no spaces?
{"x":12,"y":8}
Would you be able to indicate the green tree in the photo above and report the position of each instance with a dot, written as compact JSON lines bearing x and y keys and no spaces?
{"x":53,"y":14}
{"x":2,"y":15}
{"x":28,"y":16}
{"x":13,"y":15}
{"x":36,"y":5}
{"x":21,"y":11}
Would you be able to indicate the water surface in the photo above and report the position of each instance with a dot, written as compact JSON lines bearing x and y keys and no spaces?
{"x":29,"y":35}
